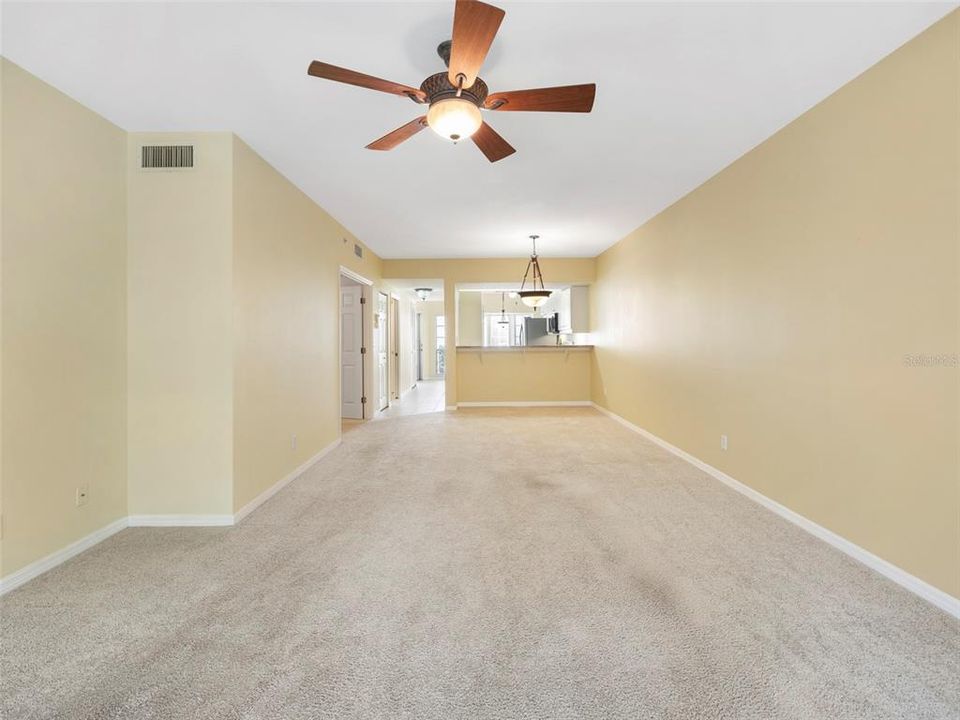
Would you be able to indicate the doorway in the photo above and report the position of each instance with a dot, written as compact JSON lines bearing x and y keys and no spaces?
{"x":416,"y":347}
{"x":359,"y":381}
{"x":431,"y":340}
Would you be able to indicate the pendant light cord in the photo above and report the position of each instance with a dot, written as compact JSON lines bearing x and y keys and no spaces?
{"x":535,"y":263}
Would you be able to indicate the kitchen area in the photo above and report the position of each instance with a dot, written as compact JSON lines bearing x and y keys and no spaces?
{"x":512,"y":352}
{"x":512,"y":336}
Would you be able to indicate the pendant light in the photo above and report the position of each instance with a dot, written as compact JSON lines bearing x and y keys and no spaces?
{"x":503,"y":313}
{"x":533,"y":297}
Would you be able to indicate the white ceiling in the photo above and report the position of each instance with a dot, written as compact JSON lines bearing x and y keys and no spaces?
{"x":683,"y":90}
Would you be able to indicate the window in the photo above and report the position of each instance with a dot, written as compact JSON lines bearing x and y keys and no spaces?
{"x":441,"y":344}
{"x":498,"y":334}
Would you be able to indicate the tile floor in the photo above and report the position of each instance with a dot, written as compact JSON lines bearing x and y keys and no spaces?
{"x":426,"y":397}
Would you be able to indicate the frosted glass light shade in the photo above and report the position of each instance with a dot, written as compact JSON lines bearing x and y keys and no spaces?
{"x":454,"y":118}
{"x":534,"y":298}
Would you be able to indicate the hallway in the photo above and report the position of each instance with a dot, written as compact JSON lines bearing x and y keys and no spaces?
{"x":426,"y":397}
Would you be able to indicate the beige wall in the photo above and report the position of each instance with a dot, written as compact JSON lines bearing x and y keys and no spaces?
{"x":777,"y":303}
{"x":492,"y":270}
{"x":581,"y":271}
{"x":287,"y":255}
{"x":469,"y":318}
{"x":179,"y":329}
{"x":492,"y":303}
{"x":2,"y":68}
{"x":233,"y":328}
{"x":527,"y":375}
{"x":64,"y":329}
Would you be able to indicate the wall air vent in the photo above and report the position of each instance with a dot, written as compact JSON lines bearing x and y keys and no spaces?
{"x":357,"y":250}
{"x":166,"y":156}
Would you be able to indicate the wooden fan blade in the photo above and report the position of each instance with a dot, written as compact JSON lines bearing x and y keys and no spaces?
{"x":475,"y":24}
{"x":491,"y":144}
{"x":569,"y":98}
{"x":351,"y":77}
{"x":404,"y":132}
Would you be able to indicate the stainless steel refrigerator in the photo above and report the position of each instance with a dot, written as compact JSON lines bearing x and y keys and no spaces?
{"x":535,"y":332}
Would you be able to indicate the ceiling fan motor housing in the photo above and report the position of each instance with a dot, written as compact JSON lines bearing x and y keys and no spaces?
{"x":438,"y":87}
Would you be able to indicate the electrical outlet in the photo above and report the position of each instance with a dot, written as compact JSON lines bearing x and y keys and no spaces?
{"x":293,"y":442}
{"x":83,"y":493}
{"x":723,"y":442}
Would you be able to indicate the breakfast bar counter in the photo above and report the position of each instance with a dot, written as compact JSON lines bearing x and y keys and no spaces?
{"x":527,"y":375}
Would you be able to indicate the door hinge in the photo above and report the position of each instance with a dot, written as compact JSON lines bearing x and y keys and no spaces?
{"x":363,"y":401}
{"x":363,"y":300}
{"x":363,"y":351}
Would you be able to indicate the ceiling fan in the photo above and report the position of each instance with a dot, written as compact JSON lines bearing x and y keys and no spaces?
{"x":456,"y":97}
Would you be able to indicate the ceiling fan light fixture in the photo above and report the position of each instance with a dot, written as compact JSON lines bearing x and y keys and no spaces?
{"x":454,"y":118}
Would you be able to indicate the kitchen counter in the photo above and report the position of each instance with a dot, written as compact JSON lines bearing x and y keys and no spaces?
{"x":522,"y":348}
{"x":528,"y":375}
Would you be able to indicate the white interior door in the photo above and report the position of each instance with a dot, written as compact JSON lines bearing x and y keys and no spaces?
{"x":351,"y":357}
{"x":383,"y":366}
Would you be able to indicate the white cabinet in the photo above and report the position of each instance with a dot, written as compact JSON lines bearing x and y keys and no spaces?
{"x":573,"y":307}
{"x":551,"y":304}
{"x":563,"y":311}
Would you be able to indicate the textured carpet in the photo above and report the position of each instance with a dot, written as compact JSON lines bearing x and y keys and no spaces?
{"x":479,"y":564}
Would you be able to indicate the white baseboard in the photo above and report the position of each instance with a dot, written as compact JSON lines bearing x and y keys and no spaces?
{"x":529,"y":403}
{"x":34,"y":569}
{"x":180,"y":520}
{"x":283,"y":482}
{"x":450,"y":407}
{"x":928,"y":592}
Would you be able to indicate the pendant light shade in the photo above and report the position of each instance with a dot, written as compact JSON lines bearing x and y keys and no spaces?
{"x":534,"y":296}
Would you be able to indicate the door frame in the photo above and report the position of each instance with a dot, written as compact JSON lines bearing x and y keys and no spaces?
{"x":366,"y":326}
{"x":394,"y":351}
{"x":419,"y":346}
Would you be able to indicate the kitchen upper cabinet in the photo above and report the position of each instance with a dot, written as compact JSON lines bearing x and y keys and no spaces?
{"x":551,"y":304}
{"x":572,"y":305}
{"x":574,"y":309}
